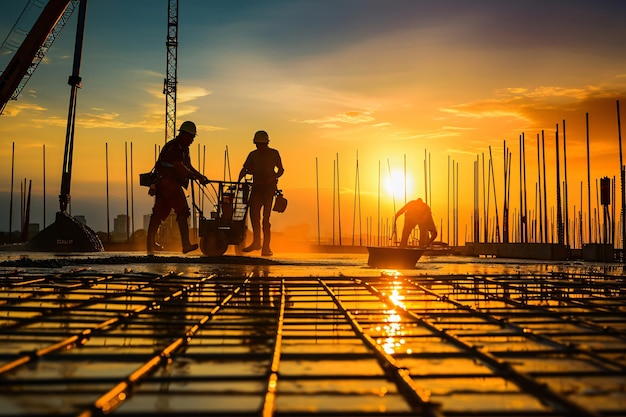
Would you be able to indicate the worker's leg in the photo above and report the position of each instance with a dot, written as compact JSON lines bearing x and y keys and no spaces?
{"x":268,"y":199}
{"x":183,"y":227}
{"x":160,"y":211}
{"x":254,"y":210}
{"x":427,"y":236}
{"x":179,"y":203}
{"x":433,"y":236}
{"x":406,"y":232}
{"x":153,"y":228}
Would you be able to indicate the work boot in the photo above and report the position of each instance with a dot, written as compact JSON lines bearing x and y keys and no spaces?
{"x":266,"y":251}
{"x":252,"y":246}
{"x":153,"y":228}
{"x":256,"y":242}
{"x":183,"y":227}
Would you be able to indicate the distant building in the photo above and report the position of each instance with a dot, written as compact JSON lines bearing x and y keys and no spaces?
{"x":120,"y":232}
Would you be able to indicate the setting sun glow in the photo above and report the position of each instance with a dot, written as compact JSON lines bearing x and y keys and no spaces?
{"x":398,"y":186}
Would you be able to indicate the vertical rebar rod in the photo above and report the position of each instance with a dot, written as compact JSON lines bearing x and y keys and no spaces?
{"x":540,"y":213}
{"x":132,"y":196}
{"x":448,"y":196}
{"x":485,"y":203}
{"x":545,"y":192}
{"x":622,"y":181}
{"x":425,"y":178}
{"x":521,"y":189}
{"x":338,"y":202}
{"x":404,"y":178}
{"x":559,"y":213}
{"x":580,"y":217}
{"x":476,"y":222}
{"x":44,"y":186}
{"x":565,"y":193}
{"x":524,"y":208}
{"x":358,"y":176}
{"x":334,"y":202}
{"x":378,"y":213}
{"x":456,"y":216}
{"x":430,"y":179}
{"x":317,"y":200}
{"x":393,"y":197}
{"x":126,"y":170}
{"x":495,"y":197}
{"x":106,"y":159}
{"x":505,"y":199}
{"x":588,"y":177}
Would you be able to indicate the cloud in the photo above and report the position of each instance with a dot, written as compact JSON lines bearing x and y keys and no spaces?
{"x":524,"y":103}
{"x":429,"y":135}
{"x":183,"y":94}
{"x":485,"y":109}
{"x":13,"y":109}
{"x":349,"y":117}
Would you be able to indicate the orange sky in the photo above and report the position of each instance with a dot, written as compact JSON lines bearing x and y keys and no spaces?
{"x":389,"y":83}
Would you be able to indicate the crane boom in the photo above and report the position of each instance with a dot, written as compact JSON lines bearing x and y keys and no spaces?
{"x":32,"y":49}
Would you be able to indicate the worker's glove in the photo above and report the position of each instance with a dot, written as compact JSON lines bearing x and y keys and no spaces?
{"x":203,"y":180}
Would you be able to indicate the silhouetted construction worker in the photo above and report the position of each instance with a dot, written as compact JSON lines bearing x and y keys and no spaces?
{"x":417,"y":214}
{"x":175,"y":171}
{"x":265,"y":166}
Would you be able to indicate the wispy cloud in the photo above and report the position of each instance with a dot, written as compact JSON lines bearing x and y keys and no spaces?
{"x":14,"y":109}
{"x":347,"y":118}
{"x":523,"y":103}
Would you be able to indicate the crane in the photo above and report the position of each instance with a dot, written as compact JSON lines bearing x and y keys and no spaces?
{"x":33,"y":48}
{"x":170,"y":82}
{"x":66,"y":234}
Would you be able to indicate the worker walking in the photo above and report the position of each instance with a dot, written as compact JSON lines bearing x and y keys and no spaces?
{"x":174,"y":170}
{"x":417,"y":214}
{"x":265,"y":166}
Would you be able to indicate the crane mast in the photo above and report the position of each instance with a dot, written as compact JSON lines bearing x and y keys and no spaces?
{"x":169,"y":85}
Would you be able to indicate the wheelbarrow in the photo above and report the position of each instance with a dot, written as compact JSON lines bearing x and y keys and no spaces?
{"x":227,"y":222}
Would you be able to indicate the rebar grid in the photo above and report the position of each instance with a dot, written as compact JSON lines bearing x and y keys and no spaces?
{"x":88,"y":343}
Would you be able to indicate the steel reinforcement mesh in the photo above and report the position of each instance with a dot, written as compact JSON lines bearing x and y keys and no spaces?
{"x":87,"y":343}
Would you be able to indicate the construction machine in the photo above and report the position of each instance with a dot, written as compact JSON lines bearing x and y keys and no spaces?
{"x":66,"y":234}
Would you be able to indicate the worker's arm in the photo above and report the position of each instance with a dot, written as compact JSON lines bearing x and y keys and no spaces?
{"x":242,"y":173}
{"x":400,"y":212}
{"x":199,"y":176}
{"x":184,"y":172}
{"x":279,"y":167}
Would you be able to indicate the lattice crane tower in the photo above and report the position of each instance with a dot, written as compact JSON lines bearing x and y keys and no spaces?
{"x":169,"y":86}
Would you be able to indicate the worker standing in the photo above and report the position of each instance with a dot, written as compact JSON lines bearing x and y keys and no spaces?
{"x":417,"y":213}
{"x":174,"y":170}
{"x":265,"y":166}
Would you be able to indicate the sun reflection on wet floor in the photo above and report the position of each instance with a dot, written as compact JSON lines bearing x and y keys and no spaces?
{"x":393,"y":331}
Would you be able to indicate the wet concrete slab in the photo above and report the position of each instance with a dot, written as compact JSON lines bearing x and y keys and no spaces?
{"x":309,"y":335}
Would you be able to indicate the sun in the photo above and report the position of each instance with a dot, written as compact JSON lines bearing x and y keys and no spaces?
{"x":398,"y":185}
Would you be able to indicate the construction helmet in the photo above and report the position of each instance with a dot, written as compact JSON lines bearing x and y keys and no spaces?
{"x":189,"y":127}
{"x":261,"y":137}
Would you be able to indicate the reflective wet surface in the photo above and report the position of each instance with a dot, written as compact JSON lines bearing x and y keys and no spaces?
{"x":309,"y":334}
